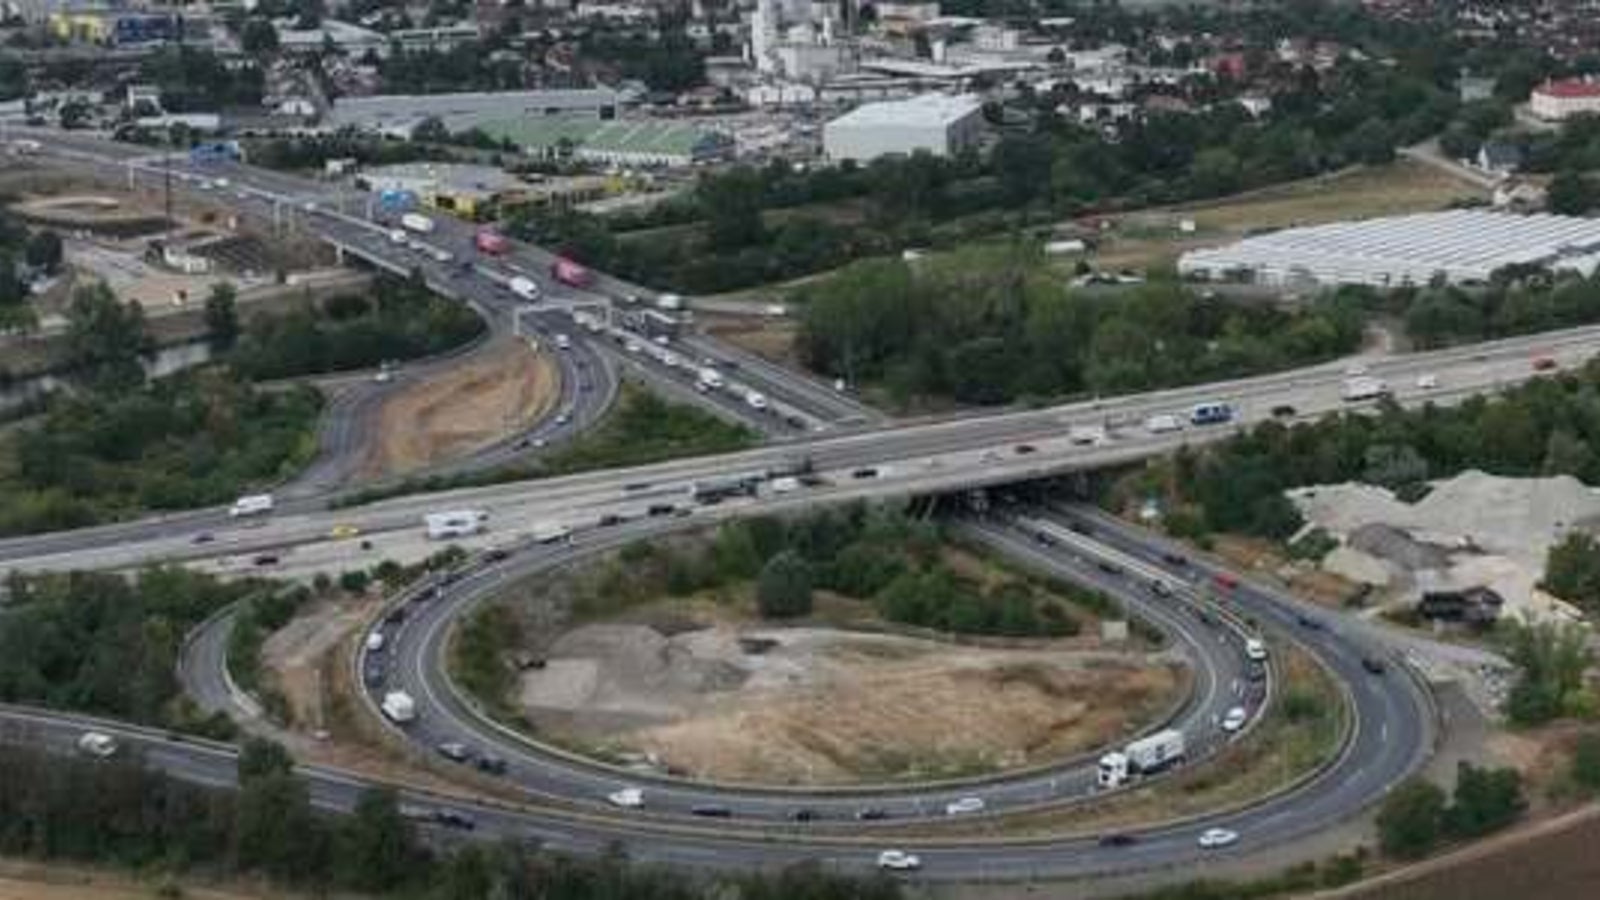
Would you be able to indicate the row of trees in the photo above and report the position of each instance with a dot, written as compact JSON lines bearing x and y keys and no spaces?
{"x":1548,"y":426}
{"x":22,"y":250}
{"x":106,"y":644}
{"x":989,"y":326}
{"x":1417,"y":816}
{"x":1441,"y":315}
{"x":122,"y":814}
{"x":399,"y":319}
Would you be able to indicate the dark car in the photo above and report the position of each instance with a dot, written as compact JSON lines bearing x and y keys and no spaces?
{"x":1283,"y":411}
{"x":449,"y":818}
{"x":204,"y":537}
{"x":610,"y":519}
{"x":1108,"y":567}
{"x":1160,"y":588}
{"x":1080,"y":527}
{"x":1309,"y":623}
{"x":872,"y":814}
{"x":802,"y":815}
{"x":1256,"y":672}
{"x":661,"y":509}
{"x":1374,"y":665}
{"x":1175,"y":559}
{"x":493,"y":765}
{"x":266,"y":559}
{"x":395,"y":616}
{"x":498,"y":554}
{"x":1118,"y":840}
{"x":372,"y":675}
{"x":1025,"y":449}
{"x":1045,"y":538}
{"x":712,"y":812}
{"x":865,"y":472}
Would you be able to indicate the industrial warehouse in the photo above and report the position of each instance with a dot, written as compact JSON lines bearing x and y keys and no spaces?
{"x":1458,"y":246}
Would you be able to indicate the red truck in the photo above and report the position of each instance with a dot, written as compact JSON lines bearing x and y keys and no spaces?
{"x":491,"y":242}
{"x":569,"y":272}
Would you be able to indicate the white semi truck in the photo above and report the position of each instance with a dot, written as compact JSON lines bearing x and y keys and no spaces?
{"x":1142,"y":757}
{"x":1361,"y":388}
{"x":251,"y":505}
{"x":399,"y":707}
{"x":455,"y":523}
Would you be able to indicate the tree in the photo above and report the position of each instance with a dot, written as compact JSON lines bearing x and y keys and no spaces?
{"x":732,"y":202}
{"x":1551,"y":659}
{"x":1566,"y":454}
{"x":106,"y":340}
{"x":1485,"y":800}
{"x":222,"y":318}
{"x":1570,"y":193}
{"x":261,"y":758}
{"x":1586,"y":762}
{"x":259,"y":37}
{"x":1411,"y":819}
{"x":1572,"y":570}
{"x":44,"y":251}
{"x":378,"y":849}
{"x":784,"y":588}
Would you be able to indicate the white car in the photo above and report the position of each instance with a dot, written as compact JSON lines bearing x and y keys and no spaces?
{"x":97,"y":744}
{"x":785,"y":485}
{"x":899,"y":861}
{"x":963,"y":806}
{"x":632,"y":347}
{"x":1255,"y":650}
{"x":1212,"y":838}
{"x":1427,"y":382}
{"x":1234,"y":719}
{"x":627,"y":798}
{"x":396,"y":236}
{"x":563,"y":342}
{"x":1163,"y":424}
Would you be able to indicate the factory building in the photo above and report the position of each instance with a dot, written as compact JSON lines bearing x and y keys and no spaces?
{"x":468,"y":191}
{"x":1556,"y":101}
{"x":940,"y":124}
{"x":398,"y":115}
{"x":1458,"y":246}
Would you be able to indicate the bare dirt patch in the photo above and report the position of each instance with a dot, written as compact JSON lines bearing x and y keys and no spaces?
{"x":294,"y":655}
{"x":810,"y":705}
{"x":770,"y":339}
{"x":499,"y":392}
{"x":26,"y":880}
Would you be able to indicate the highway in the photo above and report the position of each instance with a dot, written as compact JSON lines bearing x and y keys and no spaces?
{"x":1392,"y":735}
{"x":911,"y":458}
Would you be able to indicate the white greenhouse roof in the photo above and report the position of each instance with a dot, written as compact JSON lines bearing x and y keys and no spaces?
{"x":1460,"y":245}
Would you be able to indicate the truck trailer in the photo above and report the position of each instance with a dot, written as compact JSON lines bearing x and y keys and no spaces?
{"x":1145,"y":756}
{"x":570,"y":272}
{"x":399,"y":707}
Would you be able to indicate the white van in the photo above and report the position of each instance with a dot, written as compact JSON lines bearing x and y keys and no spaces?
{"x":251,"y":505}
{"x":455,"y":523}
{"x":524,"y":288}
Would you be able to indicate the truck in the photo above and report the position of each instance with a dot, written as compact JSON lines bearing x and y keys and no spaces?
{"x":416,"y":222}
{"x":455,"y":523}
{"x":25,"y":147}
{"x":399,"y":707}
{"x":1362,"y":388}
{"x":396,"y":200}
{"x":715,"y":490}
{"x":550,"y":532}
{"x":1145,"y":756}
{"x":570,"y":272}
{"x":524,"y":287}
{"x":251,"y":505}
{"x":489,"y":241}
{"x":669,"y":302}
{"x":708,"y":379}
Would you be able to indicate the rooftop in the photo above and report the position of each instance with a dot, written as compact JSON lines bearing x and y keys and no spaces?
{"x":924,"y":109}
{"x":1571,"y":88}
{"x":622,"y":135}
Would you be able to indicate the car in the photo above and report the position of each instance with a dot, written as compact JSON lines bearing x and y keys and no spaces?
{"x":632,"y":347}
{"x":496,"y":554}
{"x":1356,"y":369}
{"x":1544,"y":363}
{"x":221,"y":182}
{"x":1427,"y":382}
{"x":899,"y":861}
{"x":1284,"y":411}
{"x":308,"y":206}
{"x":563,"y":342}
{"x":1108,"y":567}
{"x":802,"y":815}
{"x":449,"y":818}
{"x":1255,"y":650}
{"x":383,"y":376}
{"x":265,"y":559}
{"x":341,"y":532}
{"x":455,"y":751}
{"x":492,"y":765}
{"x":1374,"y":665}
{"x":1309,"y":623}
{"x":626,"y":798}
{"x":1080,"y":527}
{"x":97,"y":744}
{"x":1226,"y":580}
{"x":1256,"y":673}
{"x":872,"y":814}
{"x":442,"y":255}
{"x":395,"y":616}
{"x":1234,"y":719}
{"x":864,"y":472}
{"x":964,"y":806}
{"x":1118,"y":839}
{"x":711,"y":811}
{"x":610,"y":520}
{"x":563,"y":418}
{"x":1213,"y":838}
{"x":1160,"y":588}
{"x":1024,"y":449}
{"x":1175,"y":559}
{"x":204,"y":537}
